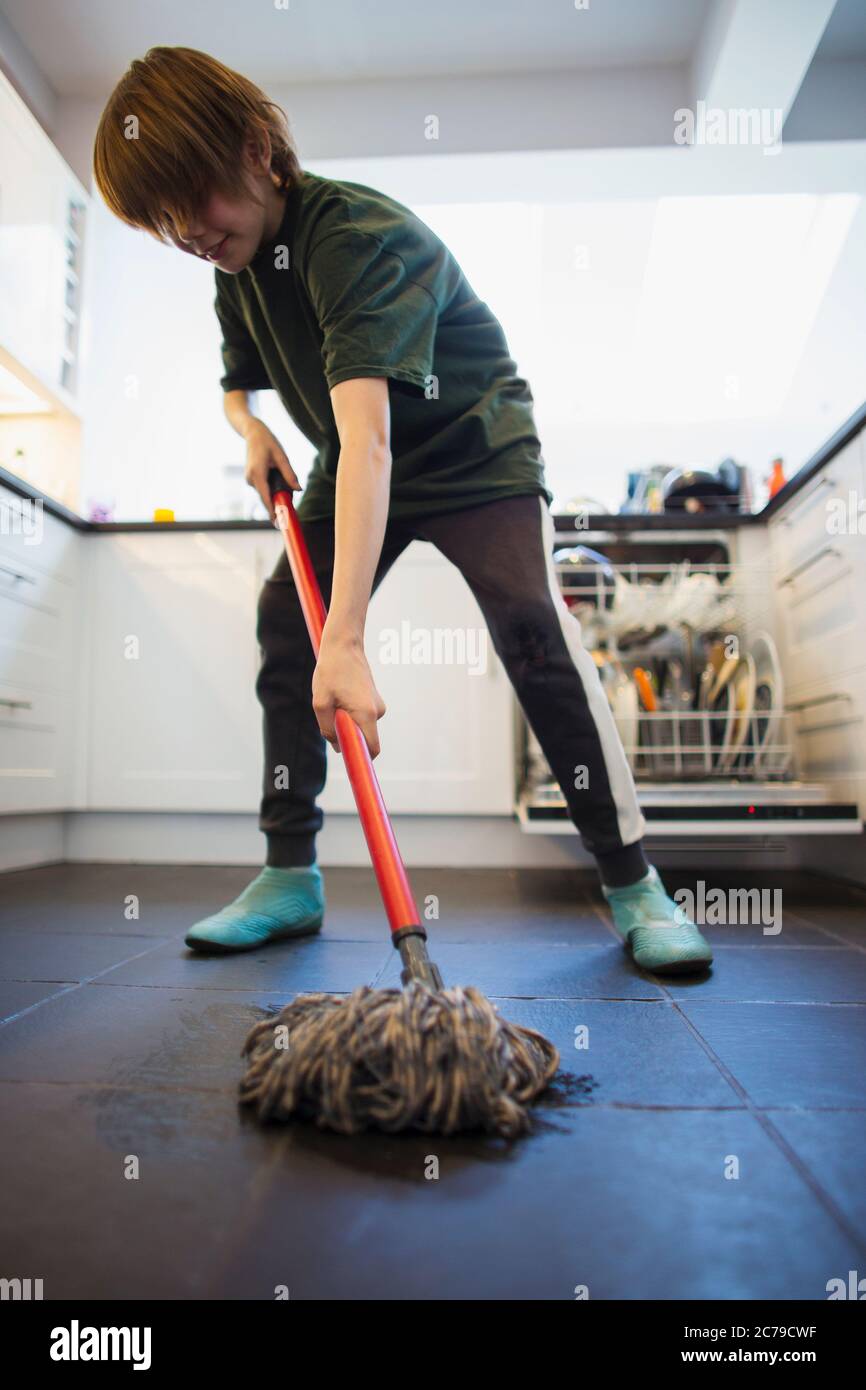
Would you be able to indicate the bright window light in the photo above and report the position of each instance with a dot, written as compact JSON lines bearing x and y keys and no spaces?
{"x":670,"y":330}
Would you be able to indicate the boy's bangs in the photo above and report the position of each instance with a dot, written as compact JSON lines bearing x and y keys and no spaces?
{"x":141,"y":193}
{"x":172,"y":134}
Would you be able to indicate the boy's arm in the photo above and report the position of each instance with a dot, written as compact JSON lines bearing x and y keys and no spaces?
{"x":362,"y":415}
{"x":342,"y":678}
{"x":263,"y":448}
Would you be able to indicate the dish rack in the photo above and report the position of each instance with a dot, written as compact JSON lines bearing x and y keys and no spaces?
{"x":639,"y":615}
{"x":691,"y":745}
{"x":673,"y":621}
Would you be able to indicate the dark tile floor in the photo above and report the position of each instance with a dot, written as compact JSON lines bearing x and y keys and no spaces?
{"x":118,"y":1044}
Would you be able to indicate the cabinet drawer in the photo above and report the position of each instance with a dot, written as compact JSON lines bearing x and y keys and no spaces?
{"x":828,"y":721}
{"x":33,"y":540}
{"x":35,"y":635}
{"x":22,"y":707}
{"x":34,"y":766}
{"x":804,"y":525}
{"x":822,"y":615}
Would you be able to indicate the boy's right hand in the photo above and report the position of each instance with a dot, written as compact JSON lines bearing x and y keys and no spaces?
{"x":264,"y":453}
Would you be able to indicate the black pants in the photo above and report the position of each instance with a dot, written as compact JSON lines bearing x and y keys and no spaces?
{"x":504,"y":550}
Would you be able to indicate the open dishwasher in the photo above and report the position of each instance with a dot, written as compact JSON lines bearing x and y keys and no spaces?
{"x":682,"y":626}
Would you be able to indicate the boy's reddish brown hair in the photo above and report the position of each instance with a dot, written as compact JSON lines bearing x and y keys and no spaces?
{"x":192,"y":117}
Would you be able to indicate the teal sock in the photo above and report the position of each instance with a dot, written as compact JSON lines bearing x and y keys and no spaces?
{"x":284,"y":894}
{"x":278,"y":903}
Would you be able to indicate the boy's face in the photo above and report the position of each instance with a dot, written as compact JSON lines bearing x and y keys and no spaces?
{"x":225,"y":232}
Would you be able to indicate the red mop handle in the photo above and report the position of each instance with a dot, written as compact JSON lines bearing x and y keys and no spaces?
{"x":387,"y":864}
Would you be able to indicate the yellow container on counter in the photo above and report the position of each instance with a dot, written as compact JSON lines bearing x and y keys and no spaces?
{"x":163,"y":514}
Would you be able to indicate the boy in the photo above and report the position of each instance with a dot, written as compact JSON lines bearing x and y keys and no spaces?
{"x":357,"y":315}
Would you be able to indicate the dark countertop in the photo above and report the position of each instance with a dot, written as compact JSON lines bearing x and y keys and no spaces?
{"x":564,"y":523}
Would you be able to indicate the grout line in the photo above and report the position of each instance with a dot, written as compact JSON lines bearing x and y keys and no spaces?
{"x":851,"y":945}
{"x":783,"y":1003}
{"x":38,"y":933}
{"x":146,"y":1089}
{"x":601,"y":915}
{"x":538,"y":943}
{"x":851,"y":886}
{"x":664,"y":996}
{"x":638,"y":1106}
{"x":778,"y":1139}
{"x":22,"y":1013}
{"x":534,"y":943}
{"x":72,"y":986}
{"x":294,"y":990}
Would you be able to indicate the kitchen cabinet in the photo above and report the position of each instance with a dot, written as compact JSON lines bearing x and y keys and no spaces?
{"x":41,"y":625}
{"x":173,"y":720}
{"x":829,"y":724}
{"x":447,"y":735}
{"x":42,"y":211}
{"x":819,"y":573}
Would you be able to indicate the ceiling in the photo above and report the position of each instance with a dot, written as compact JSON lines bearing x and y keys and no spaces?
{"x":845,"y":35}
{"x":83,"y":46}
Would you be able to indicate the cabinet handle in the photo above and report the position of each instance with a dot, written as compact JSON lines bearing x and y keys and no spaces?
{"x":807,"y":564}
{"x":822,"y":482}
{"x":16,"y":574}
{"x":817,"y":700}
{"x":831,"y":724}
{"x":16,"y":704}
{"x":838,"y":698}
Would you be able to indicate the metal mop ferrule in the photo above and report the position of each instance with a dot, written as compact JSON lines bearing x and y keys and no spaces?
{"x":411,"y":942}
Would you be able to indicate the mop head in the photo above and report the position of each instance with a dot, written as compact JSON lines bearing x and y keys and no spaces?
{"x":391,"y":1059}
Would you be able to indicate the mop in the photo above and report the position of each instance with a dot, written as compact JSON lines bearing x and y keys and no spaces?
{"x":422,"y":1057}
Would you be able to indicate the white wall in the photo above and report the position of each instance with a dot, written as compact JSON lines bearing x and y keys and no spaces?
{"x":154,"y":433}
{"x":606,"y":109}
{"x":622,"y":374}
{"x":17,"y":63}
{"x":831,"y":104}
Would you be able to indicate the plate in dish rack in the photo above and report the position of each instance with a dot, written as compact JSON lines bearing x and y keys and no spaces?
{"x":769,"y":700}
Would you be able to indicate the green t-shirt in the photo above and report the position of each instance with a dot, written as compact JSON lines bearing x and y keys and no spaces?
{"x":355,"y":285}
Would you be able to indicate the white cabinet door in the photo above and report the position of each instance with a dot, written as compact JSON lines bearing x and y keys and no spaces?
{"x":35,"y":190}
{"x":447,"y":737}
{"x":810,"y":520}
{"x":448,"y":734}
{"x":819,"y":563}
{"x":828,"y":723}
{"x":40,"y":658}
{"x":174,"y":724}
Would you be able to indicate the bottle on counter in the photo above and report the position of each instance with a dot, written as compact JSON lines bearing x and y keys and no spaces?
{"x":777,"y":479}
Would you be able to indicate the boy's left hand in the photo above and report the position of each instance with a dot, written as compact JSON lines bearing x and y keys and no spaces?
{"x":342,"y":680}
